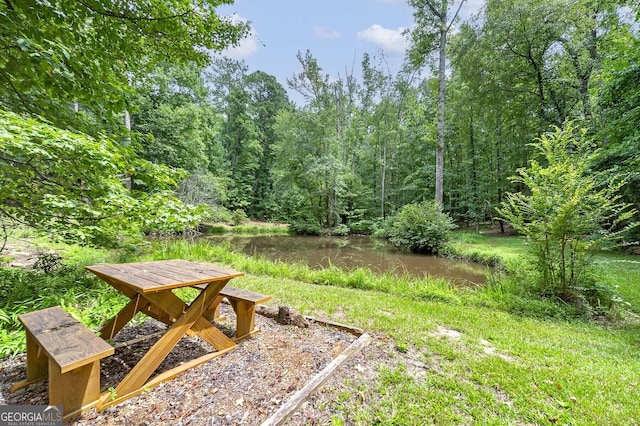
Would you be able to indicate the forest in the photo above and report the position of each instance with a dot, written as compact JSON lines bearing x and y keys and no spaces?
{"x":354,"y":153}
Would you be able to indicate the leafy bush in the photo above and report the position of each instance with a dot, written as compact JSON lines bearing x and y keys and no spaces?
{"x":238,"y":217}
{"x":69,"y":185}
{"x":422,"y":228}
{"x":566,"y":216}
{"x":304,"y":228}
{"x":362,"y":227}
{"x":341,"y":230}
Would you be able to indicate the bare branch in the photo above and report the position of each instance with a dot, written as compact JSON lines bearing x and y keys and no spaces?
{"x":455,"y":16}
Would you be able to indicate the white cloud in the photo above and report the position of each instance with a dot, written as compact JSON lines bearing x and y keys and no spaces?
{"x":391,"y":41}
{"x":323,"y":32}
{"x":248,"y":45}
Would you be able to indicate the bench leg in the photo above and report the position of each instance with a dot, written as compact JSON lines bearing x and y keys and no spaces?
{"x":77,"y":390}
{"x":213,"y":311}
{"x":37,"y":364}
{"x":245,"y":321}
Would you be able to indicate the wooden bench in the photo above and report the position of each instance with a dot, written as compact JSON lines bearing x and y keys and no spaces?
{"x":243,"y":303}
{"x":60,"y":347}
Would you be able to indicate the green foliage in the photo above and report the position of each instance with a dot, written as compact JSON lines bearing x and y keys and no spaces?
{"x":55,"y":53}
{"x":89,"y":299}
{"x":304,"y":228}
{"x":238,"y":217}
{"x":566,"y":216}
{"x":421,"y":228}
{"x":70,"y":186}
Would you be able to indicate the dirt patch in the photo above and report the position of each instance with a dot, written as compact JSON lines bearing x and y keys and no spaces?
{"x":23,"y":253}
{"x":245,"y":386}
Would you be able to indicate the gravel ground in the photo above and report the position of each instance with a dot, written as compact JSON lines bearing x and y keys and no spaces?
{"x":245,"y":386}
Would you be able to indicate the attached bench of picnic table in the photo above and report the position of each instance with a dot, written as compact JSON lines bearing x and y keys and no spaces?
{"x":243,"y":303}
{"x":62,"y":348}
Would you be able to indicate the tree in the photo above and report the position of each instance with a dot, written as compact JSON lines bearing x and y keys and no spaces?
{"x":566,"y":214}
{"x":320,"y":143}
{"x":70,"y":185}
{"x":618,"y":111}
{"x":58,"y":53}
{"x":175,"y":119}
{"x":433,"y":24}
{"x":267,"y":98}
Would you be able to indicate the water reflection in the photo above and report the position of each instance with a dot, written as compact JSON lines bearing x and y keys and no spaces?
{"x":354,"y":252}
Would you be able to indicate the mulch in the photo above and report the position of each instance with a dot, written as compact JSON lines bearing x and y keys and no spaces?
{"x":245,"y":386}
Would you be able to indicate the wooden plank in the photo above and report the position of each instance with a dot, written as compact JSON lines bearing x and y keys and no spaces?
{"x":168,"y":271}
{"x":185,"y":270}
{"x":111,"y":274}
{"x":284,"y":412}
{"x":241,"y":294}
{"x":74,"y":389}
{"x":204,"y":268}
{"x":184,"y":274}
{"x":130,"y":274}
{"x":149,"y":272}
{"x":212,"y":335}
{"x":65,"y":340}
{"x":245,"y":317}
{"x":353,"y":330}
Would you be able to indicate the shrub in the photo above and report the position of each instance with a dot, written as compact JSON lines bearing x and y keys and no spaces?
{"x":304,"y":228}
{"x":566,"y":216}
{"x":422,"y":228}
{"x":238,"y":217}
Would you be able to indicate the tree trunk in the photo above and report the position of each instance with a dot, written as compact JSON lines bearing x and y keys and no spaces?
{"x":127,"y":124}
{"x":441,"y":98}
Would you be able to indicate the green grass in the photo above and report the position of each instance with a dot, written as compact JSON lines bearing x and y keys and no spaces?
{"x":489,"y":249}
{"x":538,"y":370}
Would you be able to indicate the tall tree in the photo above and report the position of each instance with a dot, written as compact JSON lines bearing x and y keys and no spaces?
{"x":434,"y":19}
{"x":267,"y":98}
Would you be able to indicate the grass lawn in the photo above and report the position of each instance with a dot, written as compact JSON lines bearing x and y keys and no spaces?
{"x":480,"y":364}
{"x":503,"y":369}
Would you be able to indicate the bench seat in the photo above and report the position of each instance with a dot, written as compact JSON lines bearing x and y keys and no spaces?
{"x":68,"y":353}
{"x":243,"y":303}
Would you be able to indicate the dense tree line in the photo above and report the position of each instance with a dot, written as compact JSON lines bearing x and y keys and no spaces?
{"x":359,"y":149}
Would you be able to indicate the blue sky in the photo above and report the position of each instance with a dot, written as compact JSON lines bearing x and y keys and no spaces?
{"x":337,"y":32}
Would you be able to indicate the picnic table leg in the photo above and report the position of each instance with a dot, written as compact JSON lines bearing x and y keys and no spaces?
{"x":139,"y":374}
{"x":174,"y":306}
{"x":115,"y":324}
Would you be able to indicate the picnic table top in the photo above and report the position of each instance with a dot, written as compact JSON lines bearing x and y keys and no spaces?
{"x":153,"y":276}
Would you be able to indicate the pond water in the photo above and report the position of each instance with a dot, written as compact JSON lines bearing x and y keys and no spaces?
{"x":354,"y":252}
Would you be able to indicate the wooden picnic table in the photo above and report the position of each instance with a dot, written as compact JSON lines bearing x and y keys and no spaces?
{"x":149,"y":286}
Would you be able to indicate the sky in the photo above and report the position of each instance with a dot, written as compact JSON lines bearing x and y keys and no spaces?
{"x":336,"y":32}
